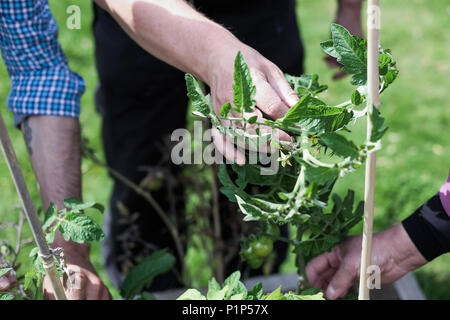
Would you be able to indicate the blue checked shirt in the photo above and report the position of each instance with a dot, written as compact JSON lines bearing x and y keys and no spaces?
{"x":41,"y":81}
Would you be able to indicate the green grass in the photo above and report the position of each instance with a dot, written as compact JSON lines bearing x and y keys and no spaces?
{"x":412,"y":164}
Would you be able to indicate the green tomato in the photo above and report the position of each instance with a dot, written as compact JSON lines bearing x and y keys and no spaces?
{"x":247,"y":252}
{"x":255,"y":262}
{"x":262,"y":246}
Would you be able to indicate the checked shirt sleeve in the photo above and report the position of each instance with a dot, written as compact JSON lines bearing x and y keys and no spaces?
{"x":41,"y":81}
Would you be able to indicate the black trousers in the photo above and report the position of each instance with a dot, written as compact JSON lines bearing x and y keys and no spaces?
{"x":142,"y":100}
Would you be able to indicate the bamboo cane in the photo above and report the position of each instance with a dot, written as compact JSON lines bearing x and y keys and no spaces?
{"x":373,"y":30}
{"x":30,"y":212}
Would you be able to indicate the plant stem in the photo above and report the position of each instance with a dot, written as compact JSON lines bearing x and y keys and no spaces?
{"x":344,"y":104}
{"x":303,"y":282}
{"x":217,"y":248}
{"x":147,"y":196}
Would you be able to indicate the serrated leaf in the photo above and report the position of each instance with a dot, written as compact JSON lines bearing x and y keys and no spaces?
{"x":378,"y":129}
{"x":356,"y":98}
{"x":256,"y":292}
{"x":321,"y":175}
{"x":314,"y":115}
{"x":232,"y":282}
{"x":142,"y":275}
{"x":4,"y":271}
{"x":77,"y":206}
{"x":225,"y":109}
{"x":328,"y":48}
{"x":243,"y":88}
{"x":217,"y":294}
{"x":351,"y":53}
{"x":51,"y":212}
{"x":80,"y":228}
{"x":340,"y":145}
{"x":252,"y":120}
{"x":6,"y":296}
{"x":275,"y":295}
{"x":192,"y":294}
{"x":196,"y":96}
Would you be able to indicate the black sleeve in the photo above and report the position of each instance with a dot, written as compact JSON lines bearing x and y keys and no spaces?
{"x":429,"y":228}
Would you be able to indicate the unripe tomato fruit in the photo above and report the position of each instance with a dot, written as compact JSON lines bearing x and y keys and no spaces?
{"x":262,"y":246}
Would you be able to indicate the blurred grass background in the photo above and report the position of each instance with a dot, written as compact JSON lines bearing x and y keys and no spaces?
{"x":415,"y":157}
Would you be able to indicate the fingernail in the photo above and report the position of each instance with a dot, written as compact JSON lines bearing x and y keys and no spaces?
{"x":4,"y":283}
{"x":292,"y":101}
{"x":331,"y":292}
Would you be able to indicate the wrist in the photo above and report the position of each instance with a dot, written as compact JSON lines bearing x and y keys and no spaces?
{"x":220,"y":54}
{"x":403,"y":251}
{"x":72,"y":250}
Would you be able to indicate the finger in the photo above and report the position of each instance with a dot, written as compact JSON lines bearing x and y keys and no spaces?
{"x":341,"y":282}
{"x":278,"y":81}
{"x":316,"y":268}
{"x":325,"y":279}
{"x":225,"y":146}
{"x":6,"y":282}
{"x":105,"y":294}
{"x":267,"y":99}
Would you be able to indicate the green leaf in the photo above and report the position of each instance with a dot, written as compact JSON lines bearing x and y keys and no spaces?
{"x":356,"y":98}
{"x":77,"y":206}
{"x":340,"y":145}
{"x":252,"y":120}
{"x":225,"y":109}
{"x":6,"y":296}
{"x":275,"y":295}
{"x":142,"y":275}
{"x":313,"y":115}
{"x":321,"y":175}
{"x":256,"y":292}
{"x":80,"y":228}
{"x":378,"y":129}
{"x":4,"y":271}
{"x":196,"y":96}
{"x":317,"y":296}
{"x":232,"y":282}
{"x":351,"y":53}
{"x":217,"y":294}
{"x":192,"y":294}
{"x":237,"y":296}
{"x":52,"y":211}
{"x":328,"y":48}
{"x":305,"y":84}
{"x":243,"y":88}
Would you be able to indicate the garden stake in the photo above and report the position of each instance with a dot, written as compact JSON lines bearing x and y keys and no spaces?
{"x":30,"y":212}
{"x":373,"y":30}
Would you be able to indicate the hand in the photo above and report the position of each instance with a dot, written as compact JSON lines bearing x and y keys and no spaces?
{"x":336,"y":271}
{"x":86,"y":284}
{"x":7,"y":282}
{"x":274,"y":96}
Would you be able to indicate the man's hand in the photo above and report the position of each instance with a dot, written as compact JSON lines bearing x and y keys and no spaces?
{"x":274,"y":96}
{"x":176,"y":33}
{"x":85,"y":283}
{"x":336,"y":271}
{"x":56,"y":160}
{"x":7,"y":282}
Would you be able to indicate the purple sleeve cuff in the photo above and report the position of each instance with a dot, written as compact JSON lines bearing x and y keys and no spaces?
{"x":444,"y":195}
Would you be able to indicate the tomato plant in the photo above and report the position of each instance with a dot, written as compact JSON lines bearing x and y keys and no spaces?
{"x":300,"y":192}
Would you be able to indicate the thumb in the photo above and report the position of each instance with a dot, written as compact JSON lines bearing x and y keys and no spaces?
{"x":342,"y":280}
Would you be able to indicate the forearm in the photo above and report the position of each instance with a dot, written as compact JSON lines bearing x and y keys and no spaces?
{"x":172,"y":31}
{"x":55,"y":152}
